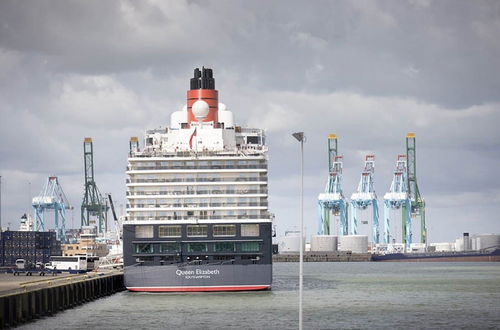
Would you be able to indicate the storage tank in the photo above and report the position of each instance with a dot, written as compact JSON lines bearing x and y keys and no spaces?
{"x":324,"y":243}
{"x":466,"y":241}
{"x":354,"y":243}
{"x":487,"y":241}
{"x":444,"y":247}
{"x":290,"y":243}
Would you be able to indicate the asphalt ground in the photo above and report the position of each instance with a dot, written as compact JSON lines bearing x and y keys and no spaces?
{"x":10,"y":284}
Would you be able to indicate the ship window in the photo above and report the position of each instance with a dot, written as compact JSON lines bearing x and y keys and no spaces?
{"x":197,"y":230}
{"x":250,"y":230}
{"x":169,"y":247}
{"x":144,"y":231}
{"x":169,"y":231}
{"x":224,"y":257}
{"x":143,"y":260}
{"x":224,"y":230}
{"x":252,"y":139}
{"x":143,"y":248}
{"x":250,"y":247}
{"x":224,"y":247}
{"x":197,"y":247}
{"x":168,"y":259}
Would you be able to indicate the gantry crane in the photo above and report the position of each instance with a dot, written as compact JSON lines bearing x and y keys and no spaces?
{"x":416,"y":200}
{"x":397,"y":198}
{"x":51,"y":197}
{"x":94,"y":206}
{"x":332,"y":201}
{"x":364,"y":197}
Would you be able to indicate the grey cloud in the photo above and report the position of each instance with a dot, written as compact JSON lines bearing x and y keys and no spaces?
{"x":369,"y":71}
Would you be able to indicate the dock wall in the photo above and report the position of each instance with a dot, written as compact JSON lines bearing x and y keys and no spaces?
{"x":323,"y":257}
{"x":19,"y":308}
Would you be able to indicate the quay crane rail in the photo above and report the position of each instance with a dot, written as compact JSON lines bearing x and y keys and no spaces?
{"x":51,"y":197}
{"x":397,"y":198}
{"x":332,"y":201}
{"x":365,"y":196}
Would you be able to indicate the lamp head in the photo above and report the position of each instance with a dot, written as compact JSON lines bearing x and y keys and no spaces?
{"x":299,"y":136}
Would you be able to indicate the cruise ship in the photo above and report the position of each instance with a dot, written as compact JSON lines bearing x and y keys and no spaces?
{"x":197,"y":214}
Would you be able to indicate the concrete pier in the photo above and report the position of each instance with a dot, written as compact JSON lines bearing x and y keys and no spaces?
{"x":31,"y":300}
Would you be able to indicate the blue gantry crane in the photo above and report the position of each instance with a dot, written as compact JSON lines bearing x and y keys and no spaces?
{"x":365,"y":196}
{"x":332,"y":201}
{"x":398,"y":198}
{"x":51,"y":197}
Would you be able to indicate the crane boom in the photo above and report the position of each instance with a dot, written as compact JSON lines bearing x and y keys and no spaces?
{"x":112,"y":207}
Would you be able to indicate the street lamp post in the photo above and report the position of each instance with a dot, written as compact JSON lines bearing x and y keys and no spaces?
{"x":301,"y":138}
{"x":0,"y":203}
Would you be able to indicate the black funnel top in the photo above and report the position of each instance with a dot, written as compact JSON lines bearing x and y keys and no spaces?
{"x":203,"y":79}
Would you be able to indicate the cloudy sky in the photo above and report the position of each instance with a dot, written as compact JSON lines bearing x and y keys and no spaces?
{"x":369,"y":71}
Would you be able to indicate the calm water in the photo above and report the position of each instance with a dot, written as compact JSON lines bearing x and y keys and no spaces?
{"x":337,"y":295}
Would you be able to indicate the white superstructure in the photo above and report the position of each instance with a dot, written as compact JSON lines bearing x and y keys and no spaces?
{"x":198,"y":171}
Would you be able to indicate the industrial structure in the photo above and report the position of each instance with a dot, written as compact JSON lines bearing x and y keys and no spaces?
{"x":94,"y":206}
{"x":332,"y":201}
{"x":403,"y":195}
{"x":416,"y":200}
{"x":51,"y":197}
{"x":365,"y":196}
{"x":397,"y":198}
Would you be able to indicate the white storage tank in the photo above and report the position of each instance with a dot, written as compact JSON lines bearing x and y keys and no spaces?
{"x":487,"y":241}
{"x":324,"y":243}
{"x":444,"y":247}
{"x":459,"y":244}
{"x":354,"y":243}
{"x":290,"y":243}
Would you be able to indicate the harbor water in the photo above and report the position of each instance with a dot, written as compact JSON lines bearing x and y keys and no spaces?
{"x":336,"y":295}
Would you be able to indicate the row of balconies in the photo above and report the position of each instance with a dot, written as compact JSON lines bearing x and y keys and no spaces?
{"x":195,"y":167}
{"x":234,"y":179}
{"x":198,"y":217}
{"x":199,"y":192}
{"x":196,"y":205}
{"x":151,"y":152}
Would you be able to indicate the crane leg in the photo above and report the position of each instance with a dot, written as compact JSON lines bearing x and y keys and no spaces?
{"x":375,"y":229}
{"x":354,"y":221}
{"x":387,"y":223}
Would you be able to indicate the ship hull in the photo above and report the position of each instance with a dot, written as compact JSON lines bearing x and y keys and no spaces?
{"x":198,"y":278}
{"x":439,"y":257}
